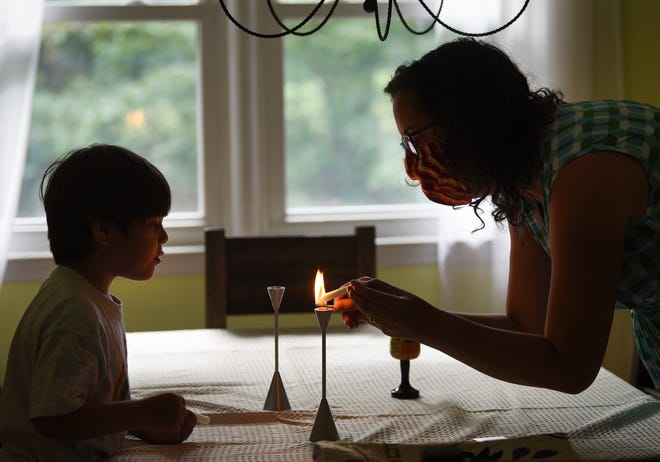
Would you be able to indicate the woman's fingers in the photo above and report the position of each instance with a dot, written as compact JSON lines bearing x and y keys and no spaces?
{"x":373,"y":301}
{"x":368,"y":306}
{"x":384,"y":306}
{"x":343,"y":304}
{"x":371,"y":294}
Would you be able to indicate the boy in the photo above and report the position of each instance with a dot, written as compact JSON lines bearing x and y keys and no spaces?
{"x":66,"y":394}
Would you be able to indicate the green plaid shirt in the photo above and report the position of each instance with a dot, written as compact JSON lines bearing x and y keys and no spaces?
{"x":631,"y":128}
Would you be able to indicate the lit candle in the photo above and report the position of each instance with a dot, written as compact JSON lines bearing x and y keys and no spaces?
{"x":324,"y":426}
{"x":319,"y":288}
{"x":321,"y":297}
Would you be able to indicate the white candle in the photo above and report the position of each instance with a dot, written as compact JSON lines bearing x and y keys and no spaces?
{"x":326,"y":297}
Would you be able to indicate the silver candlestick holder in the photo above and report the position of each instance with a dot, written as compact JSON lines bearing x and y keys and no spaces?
{"x":324,"y":426}
{"x":276,"y":399}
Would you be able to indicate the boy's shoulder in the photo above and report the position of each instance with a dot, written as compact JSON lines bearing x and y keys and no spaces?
{"x":65,"y":299}
{"x":63,"y":285}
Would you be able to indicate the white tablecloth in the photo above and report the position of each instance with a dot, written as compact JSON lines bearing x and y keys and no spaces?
{"x":226,"y":375}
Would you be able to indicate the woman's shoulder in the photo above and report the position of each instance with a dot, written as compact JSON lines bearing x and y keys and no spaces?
{"x":616,"y":109}
{"x":624,"y":126}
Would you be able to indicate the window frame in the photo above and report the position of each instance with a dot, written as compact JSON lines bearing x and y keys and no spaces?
{"x":397,"y":225}
{"x":29,"y":240}
{"x":244,"y":119}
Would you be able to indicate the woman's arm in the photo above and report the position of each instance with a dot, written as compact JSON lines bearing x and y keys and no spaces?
{"x":514,"y":356}
{"x":529,"y":279}
{"x":593,"y":200}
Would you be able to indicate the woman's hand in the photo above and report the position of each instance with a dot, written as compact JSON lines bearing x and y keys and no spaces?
{"x":394,"y":311}
{"x":350,"y":314}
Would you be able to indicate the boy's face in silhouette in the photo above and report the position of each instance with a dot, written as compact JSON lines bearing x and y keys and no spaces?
{"x":136,"y":253}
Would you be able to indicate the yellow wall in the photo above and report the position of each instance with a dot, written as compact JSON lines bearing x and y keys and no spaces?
{"x":177,"y":302}
{"x":641,"y":60}
{"x":165,"y":303}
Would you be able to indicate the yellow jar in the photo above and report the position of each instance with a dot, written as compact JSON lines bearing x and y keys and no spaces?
{"x":404,"y":349}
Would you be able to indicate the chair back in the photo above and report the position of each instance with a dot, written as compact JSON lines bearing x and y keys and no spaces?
{"x":238,"y":269}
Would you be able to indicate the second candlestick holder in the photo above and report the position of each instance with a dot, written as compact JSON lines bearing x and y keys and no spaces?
{"x":324,"y":426}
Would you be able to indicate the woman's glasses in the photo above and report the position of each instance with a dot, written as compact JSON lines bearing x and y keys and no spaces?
{"x":408,"y":139}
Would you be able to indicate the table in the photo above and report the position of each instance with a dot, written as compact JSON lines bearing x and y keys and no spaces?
{"x":226,"y":374}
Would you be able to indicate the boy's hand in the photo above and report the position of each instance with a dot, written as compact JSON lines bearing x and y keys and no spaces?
{"x":161,"y":418}
{"x":168,"y":419}
{"x":171,"y":437}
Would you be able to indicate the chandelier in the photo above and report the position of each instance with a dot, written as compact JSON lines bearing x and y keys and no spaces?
{"x":370,"y":7}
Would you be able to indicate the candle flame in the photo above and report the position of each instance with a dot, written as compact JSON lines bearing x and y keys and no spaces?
{"x":319,"y":287}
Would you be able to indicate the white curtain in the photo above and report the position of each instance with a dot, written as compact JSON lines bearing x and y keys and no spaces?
{"x":554,"y":43}
{"x":20,"y":32}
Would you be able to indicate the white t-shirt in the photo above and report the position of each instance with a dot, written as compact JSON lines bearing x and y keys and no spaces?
{"x":68,"y":349}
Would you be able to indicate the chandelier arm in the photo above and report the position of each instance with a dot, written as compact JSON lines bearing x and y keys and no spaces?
{"x":410,"y":29}
{"x":383,"y":36}
{"x":295,"y":29}
{"x":261,"y":35}
{"x":473,"y":34}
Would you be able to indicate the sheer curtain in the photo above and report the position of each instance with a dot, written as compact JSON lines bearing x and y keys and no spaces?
{"x":553,"y":43}
{"x":20,"y":31}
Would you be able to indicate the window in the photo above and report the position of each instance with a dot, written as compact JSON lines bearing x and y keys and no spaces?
{"x":341,"y":143}
{"x":131,"y":83}
{"x":340,"y":161}
{"x":124,"y":73}
{"x":258,"y":136}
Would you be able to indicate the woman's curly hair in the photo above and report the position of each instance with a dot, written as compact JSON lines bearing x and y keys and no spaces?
{"x":491,"y":122}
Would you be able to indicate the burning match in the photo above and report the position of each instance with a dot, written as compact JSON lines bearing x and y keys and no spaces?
{"x":325,"y":298}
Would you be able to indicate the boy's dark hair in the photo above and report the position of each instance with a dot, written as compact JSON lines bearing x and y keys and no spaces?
{"x":491,"y":121}
{"x":103,"y":182}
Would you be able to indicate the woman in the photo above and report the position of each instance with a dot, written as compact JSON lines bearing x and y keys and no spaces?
{"x":577,"y":185}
